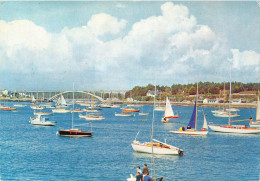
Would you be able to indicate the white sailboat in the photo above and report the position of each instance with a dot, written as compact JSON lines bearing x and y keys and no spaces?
{"x":256,"y":123}
{"x":61,"y":111}
{"x":225,"y":113}
{"x":155,"y":146}
{"x":61,"y":102}
{"x":33,"y":99}
{"x":92,"y":117}
{"x":143,"y":113}
{"x":241,"y":129}
{"x":168,"y":114}
{"x":192,"y":126}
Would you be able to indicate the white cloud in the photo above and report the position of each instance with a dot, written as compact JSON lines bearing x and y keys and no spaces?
{"x":102,"y":23}
{"x":170,"y":47}
{"x":245,"y":59}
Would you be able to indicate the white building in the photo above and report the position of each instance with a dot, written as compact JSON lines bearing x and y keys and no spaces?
{"x":210,"y":101}
{"x":5,"y":92}
{"x":237,"y":101}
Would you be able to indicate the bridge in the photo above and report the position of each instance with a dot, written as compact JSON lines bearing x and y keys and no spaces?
{"x":57,"y":95}
{"x":99,"y":95}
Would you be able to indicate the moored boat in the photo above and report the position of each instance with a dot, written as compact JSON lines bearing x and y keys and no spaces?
{"x":192,"y":126}
{"x":61,"y":111}
{"x":39,"y":120}
{"x":159,"y":148}
{"x":168,"y":114}
{"x":240,"y":129}
{"x":256,"y":123}
{"x":8,"y":109}
{"x":74,"y":132}
{"x":131,"y":110}
{"x":125,"y":114}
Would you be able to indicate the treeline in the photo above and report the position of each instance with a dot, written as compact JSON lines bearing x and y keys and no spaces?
{"x":190,"y":89}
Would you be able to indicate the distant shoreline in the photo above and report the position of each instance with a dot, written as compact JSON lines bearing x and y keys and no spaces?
{"x":185,"y":104}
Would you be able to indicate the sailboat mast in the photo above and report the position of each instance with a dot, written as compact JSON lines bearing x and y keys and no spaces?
{"x":257,"y":116}
{"x":224,"y":97}
{"x":229,"y":118}
{"x":196,"y":106}
{"x":72,"y":106}
{"x":152,"y":130}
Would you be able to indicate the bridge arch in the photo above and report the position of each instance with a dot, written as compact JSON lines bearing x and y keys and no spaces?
{"x":57,"y":95}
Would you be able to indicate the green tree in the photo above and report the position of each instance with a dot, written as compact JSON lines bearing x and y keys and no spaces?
{"x":192,"y":90}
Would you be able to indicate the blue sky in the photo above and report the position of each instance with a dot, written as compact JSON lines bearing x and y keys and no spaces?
{"x":117,"y":45}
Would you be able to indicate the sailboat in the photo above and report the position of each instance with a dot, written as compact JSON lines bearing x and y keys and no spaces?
{"x":256,"y":123}
{"x":61,"y":103}
{"x":192,"y":126}
{"x":74,"y":132}
{"x":224,"y":113}
{"x":168,"y":114}
{"x":241,"y":129}
{"x":155,"y":146}
{"x":19,"y":105}
{"x":123,"y":113}
{"x":143,"y":113}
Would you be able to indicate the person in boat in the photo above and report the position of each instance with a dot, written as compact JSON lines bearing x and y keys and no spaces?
{"x":139,"y":175}
{"x":188,"y":127}
{"x":145,"y":170}
{"x":182,"y":128}
{"x":250,"y":120}
{"x":147,"y":178}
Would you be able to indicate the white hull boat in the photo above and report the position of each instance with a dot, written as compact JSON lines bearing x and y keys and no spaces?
{"x":40,"y":121}
{"x":61,"y":111}
{"x":94,"y":118}
{"x":143,"y":113}
{"x":158,"y":148}
{"x":226,"y":115}
{"x":124,"y":114}
{"x":20,"y":105}
{"x":241,"y":129}
{"x":37,"y":107}
{"x":159,"y":108}
{"x":255,"y":124}
{"x":192,"y":126}
{"x":190,"y":132}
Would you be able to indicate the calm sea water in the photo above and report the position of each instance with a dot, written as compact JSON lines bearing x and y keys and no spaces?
{"x":37,"y":153}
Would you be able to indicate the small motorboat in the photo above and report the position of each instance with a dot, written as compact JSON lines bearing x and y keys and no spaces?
{"x":41,"y":121}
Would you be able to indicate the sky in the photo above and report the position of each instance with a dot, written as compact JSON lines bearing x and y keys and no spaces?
{"x":116,"y":45}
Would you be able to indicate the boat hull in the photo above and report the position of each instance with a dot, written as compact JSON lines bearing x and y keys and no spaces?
{"x":124,"y":115}
{"x":46,"y":123}
{"x":234,"y":129}
{"x":94,"y":119}
{"x":187,"y":132}
{"x":75,"y":133}
{"x":142,"y":148}
{"x":225,"y":115}
{"x":255,"y":125}
{"x":143,"y":114}
{"x":61,"y":111}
